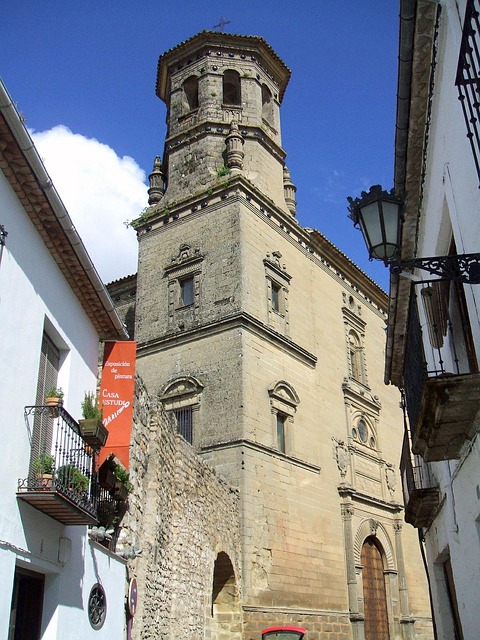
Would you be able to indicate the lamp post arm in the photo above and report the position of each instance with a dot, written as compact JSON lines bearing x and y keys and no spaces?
{"x":459,"y":268}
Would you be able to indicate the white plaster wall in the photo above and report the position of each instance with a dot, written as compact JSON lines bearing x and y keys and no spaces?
{"x":451,"y":192}
{"x":451,"y":203}
{"x":34,"y":295}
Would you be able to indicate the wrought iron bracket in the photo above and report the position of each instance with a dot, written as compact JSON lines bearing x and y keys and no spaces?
{"x":459,"y":268}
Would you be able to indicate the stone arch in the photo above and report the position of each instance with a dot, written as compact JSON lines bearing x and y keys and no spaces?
{"x":225,"y":620}
{"x":370,"y":528}
{"x":183,"y":385}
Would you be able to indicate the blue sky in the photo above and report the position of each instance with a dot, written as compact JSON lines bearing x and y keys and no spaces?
{"x":91,"y":67}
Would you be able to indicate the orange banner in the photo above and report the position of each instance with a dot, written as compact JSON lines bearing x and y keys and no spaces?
{"x":116,"y":398}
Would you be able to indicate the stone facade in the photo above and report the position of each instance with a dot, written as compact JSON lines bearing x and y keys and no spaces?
{"x":266,"y":344}
{"x":185,"y":521}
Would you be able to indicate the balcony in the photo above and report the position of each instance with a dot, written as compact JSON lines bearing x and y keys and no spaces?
{"x":61,"y":481}
{"x":442,"y":383}
{"x":420,"y":491}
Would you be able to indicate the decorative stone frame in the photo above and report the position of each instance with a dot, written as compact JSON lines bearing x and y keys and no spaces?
{"x":186,"y":264}
{"x":283,"y":400}
{"x":355,"y":340}
{"x":183,"y":392}
{"x":277,"y":277}
{"x":370,"y":439}
{"x":356,"y":532}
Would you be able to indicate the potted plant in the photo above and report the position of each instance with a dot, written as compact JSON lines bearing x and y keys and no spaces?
{"x":54,"y":397}
{"x":91,"y":427}
{"x":122,"y":486}
{"x":70,"y":477}
{"x":106,"y":473}
{"x":44,"y":467}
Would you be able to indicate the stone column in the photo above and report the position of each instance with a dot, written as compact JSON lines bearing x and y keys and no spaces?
{"x":356,"y":618}
{"x":406,"y":620}
{"x":234,"y":142}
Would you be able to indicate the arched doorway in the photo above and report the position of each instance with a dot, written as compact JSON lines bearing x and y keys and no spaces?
{"x":374,"y":593}
{"x":225,"y":612}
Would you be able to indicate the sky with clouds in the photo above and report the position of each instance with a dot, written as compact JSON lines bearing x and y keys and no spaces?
{"x":100,"y":191}
{"x":83,"y":77}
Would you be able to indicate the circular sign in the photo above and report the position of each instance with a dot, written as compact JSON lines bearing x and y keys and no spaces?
{"x":132,"y":596}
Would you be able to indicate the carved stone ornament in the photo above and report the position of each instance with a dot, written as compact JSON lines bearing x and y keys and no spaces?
{"x":347,"y":510}
{"x":391,"y":478}
{"x":341,"y":456}
{"x":373,"y":527}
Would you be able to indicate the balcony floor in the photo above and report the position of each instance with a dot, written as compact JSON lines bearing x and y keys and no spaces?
{"x":58,"y":506}
{"x":422,"y":507}
{"x":449,"y":415}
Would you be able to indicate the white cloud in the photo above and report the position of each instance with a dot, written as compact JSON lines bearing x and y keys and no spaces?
{"x":100,"y":191}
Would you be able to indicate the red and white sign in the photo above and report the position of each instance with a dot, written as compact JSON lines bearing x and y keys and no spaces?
{"x":116,"y":398}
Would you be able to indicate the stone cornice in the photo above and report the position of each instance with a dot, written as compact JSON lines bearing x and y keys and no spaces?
{"x":313,"y":243}
{"x":199,"y":45}
{"x":261,"y":448}
{"x":363,"y":498}
{"x":235,"y":321}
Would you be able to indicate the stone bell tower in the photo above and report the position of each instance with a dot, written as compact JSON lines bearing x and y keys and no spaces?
{"x":223,"y":94}
{"x":266,"y":344}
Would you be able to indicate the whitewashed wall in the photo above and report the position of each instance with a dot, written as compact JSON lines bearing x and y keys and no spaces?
{"x":33,"y":295}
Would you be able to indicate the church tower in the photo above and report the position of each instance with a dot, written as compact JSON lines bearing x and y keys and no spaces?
{"x":265,"y":342}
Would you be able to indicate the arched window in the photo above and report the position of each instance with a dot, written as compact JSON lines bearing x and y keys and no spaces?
{"x":231,"y":88}
{"x":283,"y":402}
{"x":374,"y":592}
{"x":355,"y":354}
{"x":181,"y":398}
{"x":190,"y":89}
{"x":267,"y":104}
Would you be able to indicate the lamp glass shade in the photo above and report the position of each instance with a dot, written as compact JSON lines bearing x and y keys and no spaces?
{"x":379,"y":223}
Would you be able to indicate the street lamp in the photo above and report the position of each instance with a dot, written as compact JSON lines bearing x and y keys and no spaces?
{"x":379,"y":215}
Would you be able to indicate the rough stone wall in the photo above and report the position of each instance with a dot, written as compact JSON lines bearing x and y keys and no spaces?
{"x":182,"y":516}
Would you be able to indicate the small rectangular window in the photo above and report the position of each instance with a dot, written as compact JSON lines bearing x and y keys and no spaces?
{"x":186,"y":292}
{"x":281,"y":419}
{"x":276,"y":297}
{"x":184,"y":423}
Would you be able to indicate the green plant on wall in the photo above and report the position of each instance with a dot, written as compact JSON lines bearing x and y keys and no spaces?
{"x":122,"y":474}
{"x":223,"y":171}
{"x":54,"y":392}
{"x":45,"y":463}
{"x":70,"y":477}
{"x":90,"y":408}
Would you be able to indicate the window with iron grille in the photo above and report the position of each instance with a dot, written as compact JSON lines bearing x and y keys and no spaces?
{"x":47,"y":378}
{"x":184,"y":417}
{"x":468,"y":78}
{"x":181,"y":398}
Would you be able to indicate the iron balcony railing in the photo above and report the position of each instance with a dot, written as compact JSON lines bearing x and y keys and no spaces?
{"x":421,"y":492}
{"x":60,"y":460}
{"x":64,"y":479}
{"x":438,"y":341}
{"x":415,"y":474}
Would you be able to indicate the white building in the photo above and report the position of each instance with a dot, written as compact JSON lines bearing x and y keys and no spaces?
{"x":53,"y":311}
{"x":433,"y":345}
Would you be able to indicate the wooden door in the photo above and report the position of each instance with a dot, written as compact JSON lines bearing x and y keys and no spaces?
{"x":374,"y":594}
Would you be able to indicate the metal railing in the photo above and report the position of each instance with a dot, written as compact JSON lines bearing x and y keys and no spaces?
{"x":415,"y":473}
{"x":438,"y":341}
{"x":60,"y":460}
